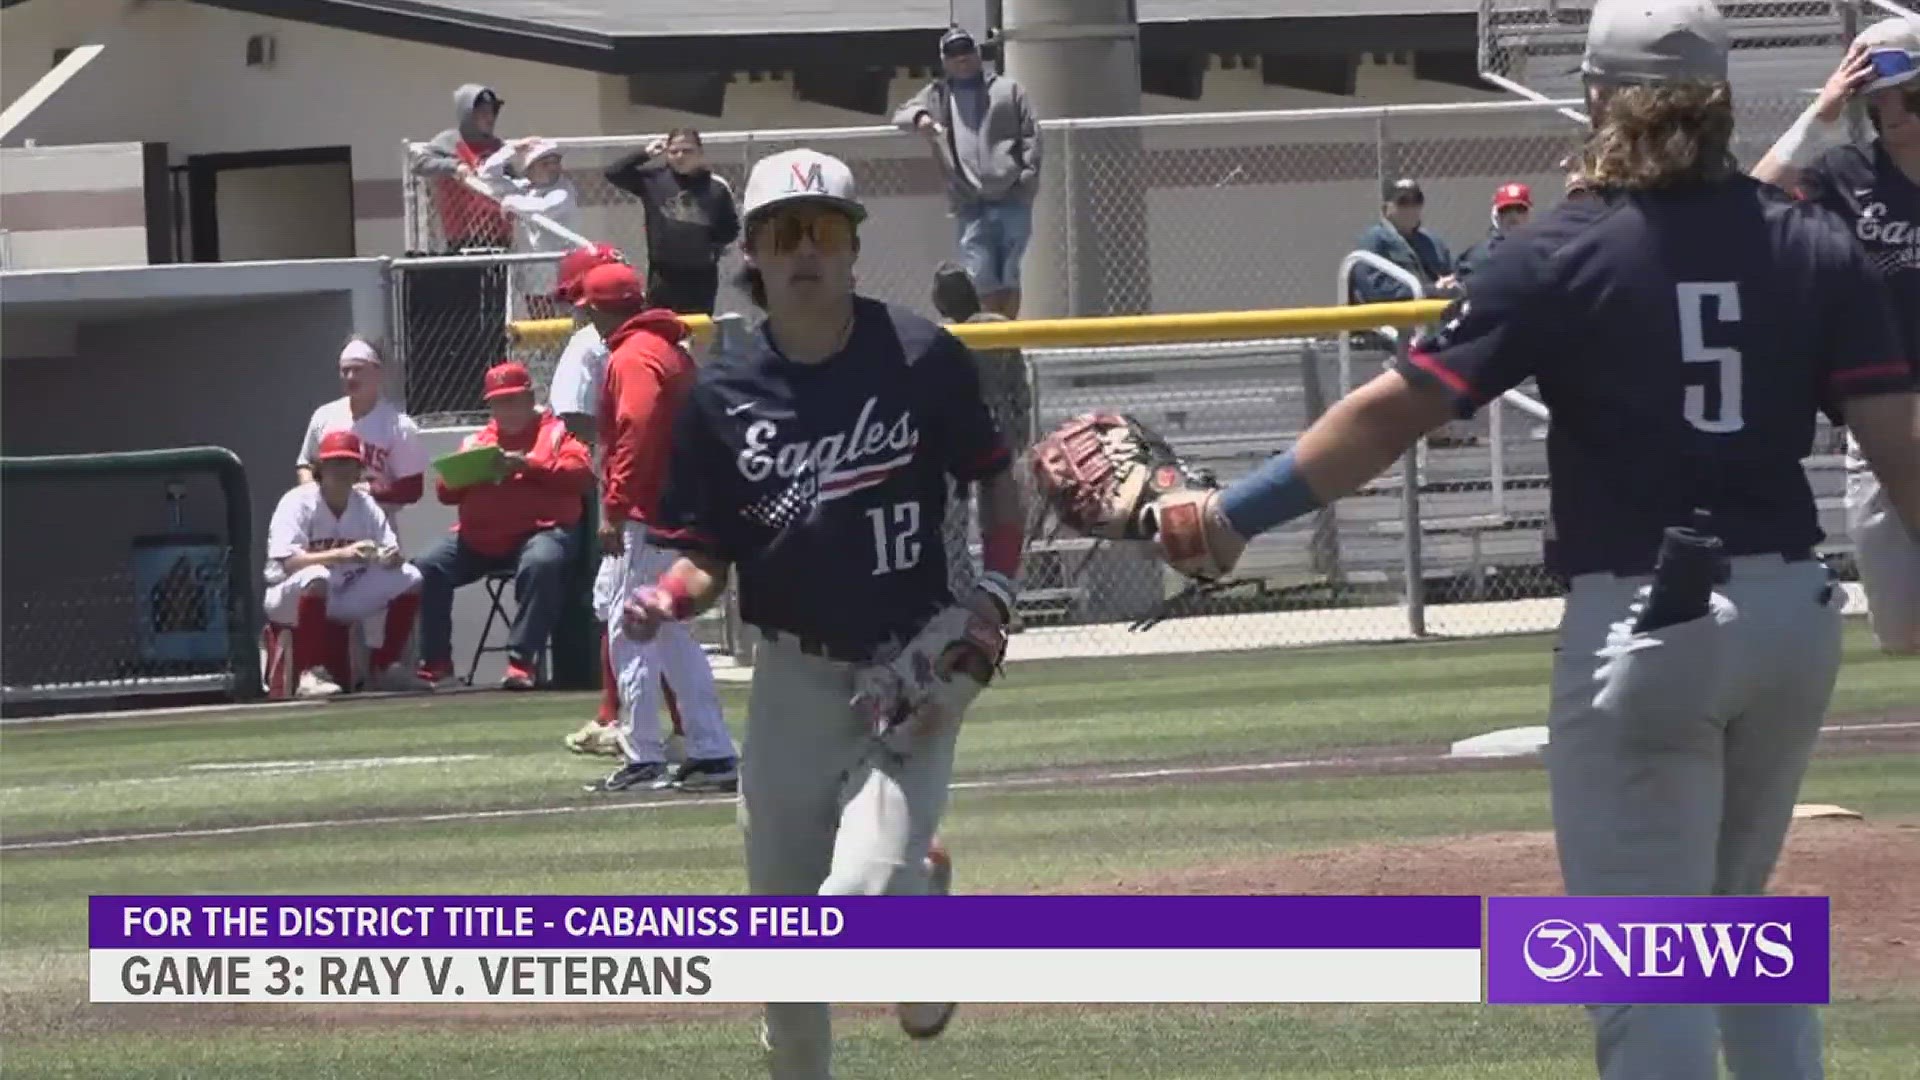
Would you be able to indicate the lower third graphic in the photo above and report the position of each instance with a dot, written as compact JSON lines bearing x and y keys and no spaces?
{"x":1745,"y":950}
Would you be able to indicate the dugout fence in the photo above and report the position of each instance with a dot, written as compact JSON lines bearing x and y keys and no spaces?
{"x":127,"y":576}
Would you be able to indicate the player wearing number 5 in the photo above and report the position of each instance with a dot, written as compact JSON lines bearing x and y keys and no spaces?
{"x":814,"y":459}
{"x":1684,"y":323}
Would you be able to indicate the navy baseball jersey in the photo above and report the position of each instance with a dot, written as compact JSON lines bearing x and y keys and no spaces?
{"x":1683,"y":341}
{"x":1866,"y":188}
{"x":825,"y":485}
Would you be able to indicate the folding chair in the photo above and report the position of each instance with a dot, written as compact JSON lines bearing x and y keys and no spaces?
{"x":497,"y":584}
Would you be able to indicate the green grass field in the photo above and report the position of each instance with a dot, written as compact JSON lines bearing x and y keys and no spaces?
{"x":473,"y":794}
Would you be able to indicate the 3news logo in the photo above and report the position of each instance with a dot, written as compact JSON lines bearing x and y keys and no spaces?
{"x":1658,"y":950}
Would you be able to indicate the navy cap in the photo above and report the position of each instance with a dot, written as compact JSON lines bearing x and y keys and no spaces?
{"x":957,"y":41}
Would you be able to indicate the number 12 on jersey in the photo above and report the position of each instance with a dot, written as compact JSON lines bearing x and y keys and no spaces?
{"x":896,"y":537}
{"x":1695,"y":350}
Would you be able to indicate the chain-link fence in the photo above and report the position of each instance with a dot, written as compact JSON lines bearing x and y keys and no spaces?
{"x":140,"y":602}
{"x":1782,"y":52}
{"x":1222,"y":212}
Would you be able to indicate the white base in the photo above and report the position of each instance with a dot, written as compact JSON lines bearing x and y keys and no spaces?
{"x":1508,"y":742}
{"x":1824,"y":810}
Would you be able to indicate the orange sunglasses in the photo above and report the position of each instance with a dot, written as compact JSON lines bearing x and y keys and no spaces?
{"x":830,"y":230}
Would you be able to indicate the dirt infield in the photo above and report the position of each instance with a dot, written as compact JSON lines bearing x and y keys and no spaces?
{"x":1870,"y":869}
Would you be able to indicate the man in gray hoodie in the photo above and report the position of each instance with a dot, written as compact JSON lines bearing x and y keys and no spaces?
{"x":987,"y":141}
{"x":468,"y":218}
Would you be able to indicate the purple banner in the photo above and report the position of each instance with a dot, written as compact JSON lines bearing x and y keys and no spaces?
{"x":1727,"y":950}
{"x":850,"y":922}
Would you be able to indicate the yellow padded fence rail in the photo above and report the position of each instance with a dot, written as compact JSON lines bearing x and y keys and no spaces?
{"x":1117,"y":329}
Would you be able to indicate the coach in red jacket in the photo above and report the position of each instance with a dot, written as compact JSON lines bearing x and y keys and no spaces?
{"x":522,"y":521}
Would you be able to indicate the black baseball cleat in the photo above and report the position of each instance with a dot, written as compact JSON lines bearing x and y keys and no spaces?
{"x":703,"y":774}
{"x":642,"y":774}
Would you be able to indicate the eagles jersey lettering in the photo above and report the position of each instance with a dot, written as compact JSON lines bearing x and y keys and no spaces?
{"x":1683,"y":342}
{"x":825,"y":485}
{"x":1882,"y":206}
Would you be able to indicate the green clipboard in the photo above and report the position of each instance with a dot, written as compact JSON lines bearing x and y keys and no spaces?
{"x":466,"y":468}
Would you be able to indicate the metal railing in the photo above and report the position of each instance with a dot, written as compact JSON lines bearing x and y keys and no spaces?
{"x":1175,"y":212}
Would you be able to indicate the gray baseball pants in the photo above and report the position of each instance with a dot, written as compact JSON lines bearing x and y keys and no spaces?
{"x":1675,"y":758}
{"x":828,"y":809}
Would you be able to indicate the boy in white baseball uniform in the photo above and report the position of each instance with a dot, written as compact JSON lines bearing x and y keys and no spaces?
{"x":396,"y":460}
{"x":333,"y":560}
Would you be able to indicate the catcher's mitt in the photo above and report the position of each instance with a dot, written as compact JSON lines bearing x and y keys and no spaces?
{"x":1111,"y":477}
{"x":934,"y":676}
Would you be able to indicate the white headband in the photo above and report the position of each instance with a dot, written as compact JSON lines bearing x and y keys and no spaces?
{"x":359,"y":350}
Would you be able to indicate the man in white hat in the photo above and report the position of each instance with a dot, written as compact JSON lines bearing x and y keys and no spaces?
{"x":814,"y":458}
{"x":1876,"y":188}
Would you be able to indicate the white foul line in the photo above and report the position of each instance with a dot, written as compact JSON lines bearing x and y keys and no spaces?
{"x":993,"y":784}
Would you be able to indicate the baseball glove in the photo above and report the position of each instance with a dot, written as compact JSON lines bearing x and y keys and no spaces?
{"x":1111,"y":477}
{"x":934,"y":676}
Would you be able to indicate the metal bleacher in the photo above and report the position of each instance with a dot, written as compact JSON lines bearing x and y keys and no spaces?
{"x":1227,"y":406}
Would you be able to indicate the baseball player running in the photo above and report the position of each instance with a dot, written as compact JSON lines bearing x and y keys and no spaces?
{"x":1684,"y":322}
{"x":648,"y":376}
{"x":332,"y":557}
{"x":396,"y":460}
{"x":1876,"y":188}
{"x":814,"y":459}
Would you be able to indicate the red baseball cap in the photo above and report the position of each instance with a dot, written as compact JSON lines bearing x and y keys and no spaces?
{"x":575,"y":265}
{"x":614,"y":283}
{"x":340,"y":446}
{"x":1513,"y":195}
{"x":508,"y":378}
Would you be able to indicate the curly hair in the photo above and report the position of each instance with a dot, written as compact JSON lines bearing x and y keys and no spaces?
{"x":1652,"y":137}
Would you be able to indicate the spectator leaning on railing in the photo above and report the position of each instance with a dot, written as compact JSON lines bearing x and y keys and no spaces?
{"x":987,"y":141}
{"x":527,"y":176}
{"x":522,"y":521}
{"x":468,"y":219}
{"x":690,"y":219}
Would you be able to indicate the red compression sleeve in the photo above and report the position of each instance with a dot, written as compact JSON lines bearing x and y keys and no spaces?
{"x":1000,"y":549}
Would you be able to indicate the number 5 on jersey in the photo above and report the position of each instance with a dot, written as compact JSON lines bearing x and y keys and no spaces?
{"x":1695,"y":350}
{"x":896,"y":543}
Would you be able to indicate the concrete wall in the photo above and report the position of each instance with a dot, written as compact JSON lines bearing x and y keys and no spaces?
{"x":197,"y":376}
{"x":176,"y":73}
{"x":77,"y":205}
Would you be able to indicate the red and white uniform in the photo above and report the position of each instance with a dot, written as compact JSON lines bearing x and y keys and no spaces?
{"x":355,"y":592}
{"x":649,"y":375}
{"x":396,"y":459}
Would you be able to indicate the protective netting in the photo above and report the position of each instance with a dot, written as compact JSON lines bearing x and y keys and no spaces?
{"x":123,"y":589}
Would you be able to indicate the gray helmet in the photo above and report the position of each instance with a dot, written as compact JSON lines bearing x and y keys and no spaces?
{"x":1647,"y":42}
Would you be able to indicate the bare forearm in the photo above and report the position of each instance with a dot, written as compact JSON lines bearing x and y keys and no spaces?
{"x":1359,"y":438}
{"x":1353,"y":443}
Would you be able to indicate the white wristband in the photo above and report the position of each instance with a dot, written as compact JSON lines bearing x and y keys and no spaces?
{"x":1001,"y":588}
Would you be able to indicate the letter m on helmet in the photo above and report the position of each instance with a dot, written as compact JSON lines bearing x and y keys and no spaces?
{"x":806,"y":178}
